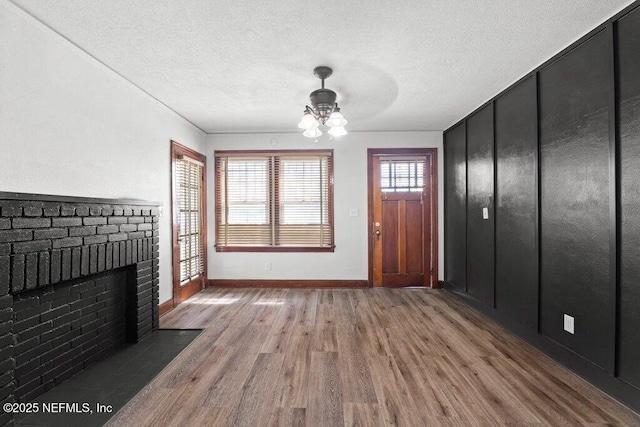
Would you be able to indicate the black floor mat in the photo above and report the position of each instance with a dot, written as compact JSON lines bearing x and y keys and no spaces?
{"x":111,"y":382}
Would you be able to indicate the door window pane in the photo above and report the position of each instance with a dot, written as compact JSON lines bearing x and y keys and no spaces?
{"x":406,"y":175}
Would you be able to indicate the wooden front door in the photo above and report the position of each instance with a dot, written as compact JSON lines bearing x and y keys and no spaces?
{"x":402,"y":218}
{"x":189,"y":222}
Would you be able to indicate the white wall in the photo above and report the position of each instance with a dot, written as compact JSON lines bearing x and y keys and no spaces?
{"x":349,"y":261}
{"x":69,"y":126}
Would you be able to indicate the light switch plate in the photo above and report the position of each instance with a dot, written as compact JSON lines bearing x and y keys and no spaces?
{"x":569,"y":324}
{"x":353,"y":212}
{"x":485,"y":213}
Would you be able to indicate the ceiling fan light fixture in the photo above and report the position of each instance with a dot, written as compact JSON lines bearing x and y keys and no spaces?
{"x":336,"y":119}
{"x":312,"y":133}
{"x":323,"y":110}
{"x":337,"y":131}
{"x":308,"y":122}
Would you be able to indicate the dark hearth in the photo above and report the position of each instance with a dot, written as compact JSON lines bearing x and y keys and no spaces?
{"x":78,"y":277}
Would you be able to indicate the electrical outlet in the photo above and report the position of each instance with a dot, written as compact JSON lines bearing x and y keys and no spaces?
{"x":485,"y":213}
{"x":569,"y":323}
{"x":267,"y":266}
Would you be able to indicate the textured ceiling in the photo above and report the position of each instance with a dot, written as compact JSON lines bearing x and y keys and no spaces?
{"x":246,"y":66}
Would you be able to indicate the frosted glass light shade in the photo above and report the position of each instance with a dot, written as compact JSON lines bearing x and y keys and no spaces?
{"x":308,"y":122}
{"x":337,"y":131}
{"x":336,"y":120}
{"x":312,"y":133}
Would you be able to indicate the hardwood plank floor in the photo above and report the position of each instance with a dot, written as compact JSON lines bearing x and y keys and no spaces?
{"x":366,"y":357}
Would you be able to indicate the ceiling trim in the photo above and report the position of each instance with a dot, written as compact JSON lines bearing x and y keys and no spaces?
{"x":292,"y":132}
{"x":26,"y":16}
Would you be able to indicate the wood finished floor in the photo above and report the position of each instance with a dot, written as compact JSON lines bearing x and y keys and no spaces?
{"x":413,"y":357}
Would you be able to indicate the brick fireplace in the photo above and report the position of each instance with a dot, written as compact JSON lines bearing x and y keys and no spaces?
{"x":78,"y":278}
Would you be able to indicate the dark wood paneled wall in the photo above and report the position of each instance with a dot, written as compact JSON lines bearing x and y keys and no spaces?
{"x":456,"y":207}
{"x":480,"y":228}
{"x":574,"y":204}
{"x":565,"y":239}
{"x":628,"y":54}
{"x":516,"y":140}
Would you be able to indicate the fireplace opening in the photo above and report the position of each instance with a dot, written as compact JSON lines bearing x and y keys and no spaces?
{"x":62,"y":329}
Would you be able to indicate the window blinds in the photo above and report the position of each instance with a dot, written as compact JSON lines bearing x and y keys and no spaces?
{"x":189,"y":176}
{"x":274,"y":199}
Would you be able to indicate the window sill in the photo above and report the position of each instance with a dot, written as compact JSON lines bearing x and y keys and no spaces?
{"x":273,"y":249}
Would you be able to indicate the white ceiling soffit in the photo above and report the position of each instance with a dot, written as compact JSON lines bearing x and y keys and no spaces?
{"x":246,"y":66}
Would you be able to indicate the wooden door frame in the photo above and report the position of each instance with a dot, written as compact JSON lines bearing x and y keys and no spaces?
{"x":177,"y":150}
{"x":429,"y":152}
